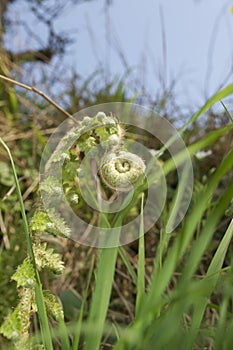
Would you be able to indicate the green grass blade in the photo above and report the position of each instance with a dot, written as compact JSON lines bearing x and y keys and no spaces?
{"x":218,"y":96}
{"x":178,"y":199}
{"x":80,"y":318}
{"x":162,"y":277}
{"x":104,"y":281}
{"x":212,"y":277}
{"x":227,"y":112}
{"x":128,"y":265}
{"x":141,"y":263}
{"x":13,"y":103}
{"x":180,"y":157}
{"x":22,"y":209}
{"x":206,"y":141}
{"x":224,"y":332}
{"x":42,"y":314}
{"x":220,"y":254}
{"x":63,"y":334}
{"x":101,"y":296}
{"x":205,"y":235}
{"x":220,"y":334}
{"x":102,"y":292}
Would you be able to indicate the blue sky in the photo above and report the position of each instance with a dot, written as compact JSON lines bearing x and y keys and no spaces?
{"x":199,"y":45}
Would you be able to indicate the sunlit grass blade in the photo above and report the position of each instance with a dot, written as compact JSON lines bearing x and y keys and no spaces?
{"x":205,"y":141}
{"x":43,"y":319}
{"x":218,"y":96}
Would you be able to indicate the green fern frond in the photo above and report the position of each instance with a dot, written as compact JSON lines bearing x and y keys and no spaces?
{"x":70,"y":171}
{"x":51,"y":223}
{"x":102,"y":133}
{"x":25,"y":275}
{"x":51,"y":186}
{"x":54,"y":308}
{"x":17,"y":324}
{"x":86,"y":142}
{"x":40,"y":221}
{"x":37,"y":347}
{"x":60,"y":155}
{"x":57,"y":225}
{"x":12,"y":326}
{"x":47,"y":259}
{"x":27,"y":308}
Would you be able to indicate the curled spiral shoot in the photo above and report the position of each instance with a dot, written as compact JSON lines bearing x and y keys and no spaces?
{"x":119,"y":171}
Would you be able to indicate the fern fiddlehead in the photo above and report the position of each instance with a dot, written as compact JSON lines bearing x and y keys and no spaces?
{"x":119,"y":169}
{"x":100,"y":138}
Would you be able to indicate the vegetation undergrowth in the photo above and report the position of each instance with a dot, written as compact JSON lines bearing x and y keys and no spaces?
{"x":167,"y":290}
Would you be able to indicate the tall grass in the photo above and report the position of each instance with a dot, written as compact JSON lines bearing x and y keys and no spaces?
{"x":159,"y":315}
{"x":158,"y":321}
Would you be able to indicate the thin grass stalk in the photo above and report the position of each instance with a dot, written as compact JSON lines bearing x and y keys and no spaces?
{"x":227,"y":112}
{"x":141,"y":263}
{"x":80,"y":317}
{"x":128,"y":265}
{"x":43,"y":318}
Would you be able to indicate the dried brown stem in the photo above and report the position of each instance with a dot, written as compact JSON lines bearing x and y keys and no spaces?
{"x":42,"y":94}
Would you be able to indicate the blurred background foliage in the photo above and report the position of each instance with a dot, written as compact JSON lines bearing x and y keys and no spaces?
{"x":26,"y":121}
